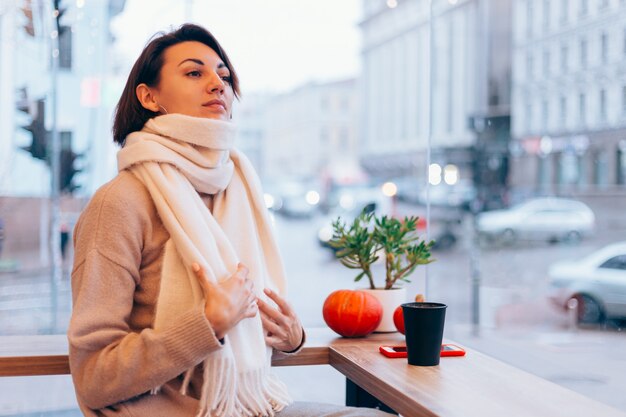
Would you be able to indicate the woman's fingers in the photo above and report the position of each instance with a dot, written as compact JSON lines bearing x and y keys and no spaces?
{"x":271,"y":327}
{"x":271,"y":312}
{"x":242,"y":271}
{"x":280,"y":302}
{"x":202,"y":279}
{"x":251,"y":307}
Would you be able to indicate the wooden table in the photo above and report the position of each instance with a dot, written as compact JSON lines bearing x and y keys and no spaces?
{"x":474,"y":385}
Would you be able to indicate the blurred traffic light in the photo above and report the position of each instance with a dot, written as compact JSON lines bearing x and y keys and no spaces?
{"x":68,"y":170}
{"x":41,"y":138}
{"x":39,"y":144}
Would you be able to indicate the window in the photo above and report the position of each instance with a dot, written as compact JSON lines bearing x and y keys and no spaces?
{"x":583,"y":53}
{"x":621,"y":162}
{"x":582,"y":110}
{"x":616,"y":262}
{"x":65,"y":47}
{"x":324,"y":103}
{"x":529,"y":117}
{"x":569,"y":173}
{"x":529,"y":16}
{"x":545,"y":117}
{"x":601,"y":171}
{"x":564,"y":10}
{"x":324,"y":136}
{"x":539,"y":133}
{"x":603,"y":105}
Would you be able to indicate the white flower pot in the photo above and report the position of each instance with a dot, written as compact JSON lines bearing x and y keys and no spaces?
{"x":390,"y":300}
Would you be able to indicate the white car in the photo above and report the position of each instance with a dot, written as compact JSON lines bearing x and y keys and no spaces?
{"x":550,"y":219}
{"x":597,"y":282}
{"x":293,"y":198}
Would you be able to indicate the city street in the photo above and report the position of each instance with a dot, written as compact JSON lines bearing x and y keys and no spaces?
{"x":518,"y":324}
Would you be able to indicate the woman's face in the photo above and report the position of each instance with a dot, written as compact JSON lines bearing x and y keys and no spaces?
{"x":194,"y":81}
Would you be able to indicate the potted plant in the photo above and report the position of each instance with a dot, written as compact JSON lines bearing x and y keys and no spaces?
{"x":365,"y":240}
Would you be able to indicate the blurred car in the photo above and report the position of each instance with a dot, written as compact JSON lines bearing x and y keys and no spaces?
{"x":458,"y":195}
{"x":409,"y":189}
{"x":550,"y":219}
{"x":293,"y":198}
{"x":325,"y":232}
{"x":597,"y":282}
{"x":348,"y":202}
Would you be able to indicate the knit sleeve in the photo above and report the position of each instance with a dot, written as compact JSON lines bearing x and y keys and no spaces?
{"x":110,"y":361}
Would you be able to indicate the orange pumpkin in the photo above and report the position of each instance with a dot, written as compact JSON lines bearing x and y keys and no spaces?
{"x":352,"y":313}
{"x":398,"y":319}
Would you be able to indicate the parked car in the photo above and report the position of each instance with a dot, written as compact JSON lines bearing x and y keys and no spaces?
{"x":347,"y":202}
{"x":597,"y":282}
{"x":293,"y":198}
{"x":325,"y":232}
{"x":459,"y":195}
{"x":549,"y":219}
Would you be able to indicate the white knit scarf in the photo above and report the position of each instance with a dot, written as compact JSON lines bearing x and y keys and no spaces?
{"x":176,"y":157}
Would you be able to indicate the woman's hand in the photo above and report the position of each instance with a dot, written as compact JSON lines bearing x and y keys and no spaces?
{"x":284,"y":331}
{"x":227,"y":302}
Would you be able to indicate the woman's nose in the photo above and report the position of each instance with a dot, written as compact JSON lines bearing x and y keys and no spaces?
{"x":216,"y":84}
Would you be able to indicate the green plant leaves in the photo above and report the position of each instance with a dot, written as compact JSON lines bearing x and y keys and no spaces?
{"x":358,"y":243}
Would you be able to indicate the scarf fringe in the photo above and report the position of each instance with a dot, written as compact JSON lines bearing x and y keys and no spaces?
{"x":257,"y":392}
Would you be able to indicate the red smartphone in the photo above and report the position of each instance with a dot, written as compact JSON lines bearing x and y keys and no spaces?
{"x":447,"y":349}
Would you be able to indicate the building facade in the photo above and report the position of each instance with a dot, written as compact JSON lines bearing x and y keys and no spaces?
{"x":569,"y":94}
{"x":426,"y":74}
{"x":311,"y":131}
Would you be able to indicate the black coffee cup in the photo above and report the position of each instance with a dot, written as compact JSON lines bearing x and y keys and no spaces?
{"x":423,"y":324}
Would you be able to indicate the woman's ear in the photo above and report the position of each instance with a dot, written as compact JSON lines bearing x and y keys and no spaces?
{"x":147,"y":98}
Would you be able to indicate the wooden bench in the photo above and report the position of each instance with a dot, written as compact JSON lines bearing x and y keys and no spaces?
{"x":47,"y":355}
{"x":474,"y":385}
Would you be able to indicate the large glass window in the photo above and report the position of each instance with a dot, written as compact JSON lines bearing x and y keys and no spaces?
{"x":500,"y":123}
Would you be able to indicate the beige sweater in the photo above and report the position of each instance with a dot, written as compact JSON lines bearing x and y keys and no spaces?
{"x":115,"y":356}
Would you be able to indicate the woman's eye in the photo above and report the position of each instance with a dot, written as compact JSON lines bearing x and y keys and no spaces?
{"x":227,"y":79}
{"x":194,"y":73}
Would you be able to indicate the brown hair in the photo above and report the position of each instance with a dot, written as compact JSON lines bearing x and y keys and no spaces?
{"x":130,"y":115}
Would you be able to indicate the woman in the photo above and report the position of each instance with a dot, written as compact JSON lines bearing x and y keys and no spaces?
{"x":177,"y":278}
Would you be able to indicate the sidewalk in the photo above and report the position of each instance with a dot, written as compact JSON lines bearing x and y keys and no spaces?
{"x":534,"y":338}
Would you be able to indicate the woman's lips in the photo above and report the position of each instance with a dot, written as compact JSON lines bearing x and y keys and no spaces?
{"x":215,"y":105}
